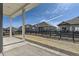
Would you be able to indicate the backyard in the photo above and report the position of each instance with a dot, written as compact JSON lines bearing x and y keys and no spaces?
{"x":40,"y":29}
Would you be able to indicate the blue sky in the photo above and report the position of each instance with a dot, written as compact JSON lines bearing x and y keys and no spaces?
{"x":52,"y":13}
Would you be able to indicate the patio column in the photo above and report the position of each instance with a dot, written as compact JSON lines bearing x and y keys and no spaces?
{"x":23,"y":24}
{"x":10,"y":27}
{"x":1,"y":34}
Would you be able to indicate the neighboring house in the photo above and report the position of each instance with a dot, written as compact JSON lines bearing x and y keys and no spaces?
{"x":70,"y":25}
{"x":28,"y":27}
{"x":43,"y":26}
{"x":6,"y":31}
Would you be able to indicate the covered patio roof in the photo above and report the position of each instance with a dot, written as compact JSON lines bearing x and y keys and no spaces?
{"x":15,"y":9}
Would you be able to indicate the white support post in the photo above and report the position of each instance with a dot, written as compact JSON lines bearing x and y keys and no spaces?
{"x":10,"y":27}
{"x":23,"y":24}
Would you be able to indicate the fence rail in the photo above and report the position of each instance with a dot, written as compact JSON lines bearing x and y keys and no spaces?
{"x":74,"y":36}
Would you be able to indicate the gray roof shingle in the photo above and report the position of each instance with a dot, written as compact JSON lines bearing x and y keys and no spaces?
{"x":70,"y":22}
{"x":73,"y":21}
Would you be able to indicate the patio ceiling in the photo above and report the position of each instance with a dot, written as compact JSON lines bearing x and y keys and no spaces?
{"x":15,"y":9}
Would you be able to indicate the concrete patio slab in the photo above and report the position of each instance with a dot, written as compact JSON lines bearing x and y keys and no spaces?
{"x":17,"y":47}
{"x":10,"y":43}
{"x":28,"y":50}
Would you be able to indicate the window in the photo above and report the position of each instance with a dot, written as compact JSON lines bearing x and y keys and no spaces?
{"x":76,"y":28}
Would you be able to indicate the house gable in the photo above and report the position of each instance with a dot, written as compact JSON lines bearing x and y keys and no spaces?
{"x":63,"y":23}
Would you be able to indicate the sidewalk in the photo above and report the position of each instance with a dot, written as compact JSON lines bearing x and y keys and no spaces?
{"x":64,"y":46}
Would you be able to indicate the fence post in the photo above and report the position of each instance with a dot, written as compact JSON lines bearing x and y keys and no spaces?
{"x":60,"y":35}
{"x":50,"y":33}
{"x":73,"y":36}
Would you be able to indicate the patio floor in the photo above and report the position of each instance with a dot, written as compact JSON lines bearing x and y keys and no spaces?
{"x":17,"y":47}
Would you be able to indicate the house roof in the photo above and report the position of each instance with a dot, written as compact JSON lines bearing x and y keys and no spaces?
{"x":73,"y":21}
{"x":42,"y":24}
{"x":70,"y":22}
{"x":13,"y":28}
{"x":63,"y":23}
{"x":26,"y":26}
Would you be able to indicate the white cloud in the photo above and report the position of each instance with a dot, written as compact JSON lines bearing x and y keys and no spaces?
{"x":62,"y":8}
{"x":54,"y":18}
{"x":43,"y":20}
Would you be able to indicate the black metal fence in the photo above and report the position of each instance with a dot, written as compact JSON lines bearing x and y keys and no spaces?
{"x":67,"y":35}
